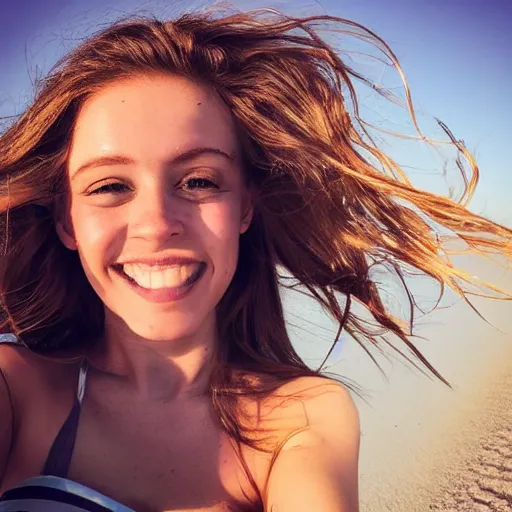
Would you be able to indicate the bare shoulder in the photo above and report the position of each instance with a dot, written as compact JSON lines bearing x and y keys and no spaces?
{"x":29,"y":375}
{"x":31,"y":386}
{"x":315,"y":463}
{"x":15,"y":361}
{"x":315,"y":390}
{"x":12,"y":366}
{"x":318,"y":400}
{"x":306,"y":409}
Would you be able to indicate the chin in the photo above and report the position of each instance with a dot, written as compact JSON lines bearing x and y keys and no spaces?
{"x":170,"y":327}
{"x":181,"y":320}
{"x":161,"y":333}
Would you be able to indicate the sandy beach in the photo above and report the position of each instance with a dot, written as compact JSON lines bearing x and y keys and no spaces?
{"x":481,"y":478}
{"x":450,"y":452}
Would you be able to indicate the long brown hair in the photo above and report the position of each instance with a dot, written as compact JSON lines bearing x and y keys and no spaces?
{"x":328,"y":203}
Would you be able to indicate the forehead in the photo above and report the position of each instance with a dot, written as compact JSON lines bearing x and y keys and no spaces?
{"x":151,"y":118}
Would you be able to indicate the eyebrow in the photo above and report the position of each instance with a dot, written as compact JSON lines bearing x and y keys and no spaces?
{"x":103,"y":161}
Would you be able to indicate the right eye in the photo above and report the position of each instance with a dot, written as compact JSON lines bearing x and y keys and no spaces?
{"x":109,"y":188}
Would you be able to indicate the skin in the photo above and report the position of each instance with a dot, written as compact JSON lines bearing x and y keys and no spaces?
{"x":147,"y":435}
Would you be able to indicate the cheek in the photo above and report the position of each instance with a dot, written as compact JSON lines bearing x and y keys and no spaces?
{"x":95,"y":231}
{"x":221,"y":225}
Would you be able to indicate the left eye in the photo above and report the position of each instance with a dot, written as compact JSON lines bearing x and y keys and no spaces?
{"x":199,"y":183}
{"x":114,"y":188}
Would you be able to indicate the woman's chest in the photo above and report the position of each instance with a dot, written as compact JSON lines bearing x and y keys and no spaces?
{"x":170,"y":457}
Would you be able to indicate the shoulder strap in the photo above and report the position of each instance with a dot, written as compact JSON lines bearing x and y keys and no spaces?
{"x":61,"y":451}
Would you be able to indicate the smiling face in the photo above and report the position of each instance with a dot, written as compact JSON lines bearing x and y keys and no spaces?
{"x":157,"y":204}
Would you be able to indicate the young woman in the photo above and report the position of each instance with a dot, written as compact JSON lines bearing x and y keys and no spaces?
{"x":163,"y":173}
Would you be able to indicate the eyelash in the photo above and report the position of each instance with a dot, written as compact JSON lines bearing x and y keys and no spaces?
{"x":117,"y":188}
{"x":108,"y":187}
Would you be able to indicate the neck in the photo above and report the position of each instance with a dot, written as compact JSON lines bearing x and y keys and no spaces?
{"x":158,"y":370}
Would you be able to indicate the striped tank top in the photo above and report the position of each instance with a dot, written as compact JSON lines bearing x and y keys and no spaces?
{"x":52,"y":491}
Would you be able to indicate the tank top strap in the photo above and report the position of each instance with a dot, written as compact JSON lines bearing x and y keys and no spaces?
{"x":82,"y":378}
{"x":61,"y":451}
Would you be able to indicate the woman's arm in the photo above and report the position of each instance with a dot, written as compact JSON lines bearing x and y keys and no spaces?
{"x":317,"y":468}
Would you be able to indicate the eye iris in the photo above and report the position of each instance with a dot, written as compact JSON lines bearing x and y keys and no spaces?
{"x":198,"y":183}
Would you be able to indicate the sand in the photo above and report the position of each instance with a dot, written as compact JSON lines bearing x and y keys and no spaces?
{"x":428,"y":448}
{"x":451,"y":454}
{"x":481,"y":478}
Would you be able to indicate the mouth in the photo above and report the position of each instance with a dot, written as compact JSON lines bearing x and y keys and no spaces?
{"x":161,"y":283}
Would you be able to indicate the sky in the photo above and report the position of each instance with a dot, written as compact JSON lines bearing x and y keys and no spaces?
{"x":456,"y":55}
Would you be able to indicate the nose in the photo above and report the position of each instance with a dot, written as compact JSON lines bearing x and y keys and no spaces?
{"x":156,"y":217}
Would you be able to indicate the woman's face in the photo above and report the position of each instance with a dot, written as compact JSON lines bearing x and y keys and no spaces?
{"x":157,"y":203}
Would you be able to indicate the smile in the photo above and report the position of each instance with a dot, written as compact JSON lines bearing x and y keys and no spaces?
{"x":158,"y":277}
{"x":161,"y":283}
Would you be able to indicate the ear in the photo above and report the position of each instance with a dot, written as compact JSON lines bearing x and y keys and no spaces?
{"x":66,"y":235}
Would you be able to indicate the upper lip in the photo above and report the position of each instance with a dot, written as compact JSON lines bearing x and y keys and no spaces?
{"x":161,"y":261}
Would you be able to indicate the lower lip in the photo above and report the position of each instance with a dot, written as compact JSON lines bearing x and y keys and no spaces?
{"x":164,"y":294}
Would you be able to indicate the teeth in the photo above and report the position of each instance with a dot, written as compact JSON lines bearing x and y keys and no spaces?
{"x":155,"y":278}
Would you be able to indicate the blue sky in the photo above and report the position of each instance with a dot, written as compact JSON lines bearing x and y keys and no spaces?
{"x":456,"y":54}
